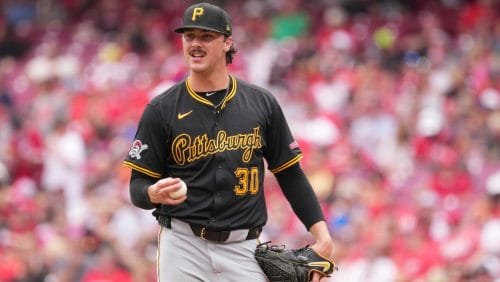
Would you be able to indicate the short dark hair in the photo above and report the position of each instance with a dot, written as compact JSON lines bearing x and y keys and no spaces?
{"x":230,"y":53}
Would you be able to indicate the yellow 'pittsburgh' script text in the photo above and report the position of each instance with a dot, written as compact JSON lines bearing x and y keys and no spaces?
{"x":186,"y":149}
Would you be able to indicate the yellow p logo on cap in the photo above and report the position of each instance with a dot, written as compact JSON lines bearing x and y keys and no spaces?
{"x":196,"y":13}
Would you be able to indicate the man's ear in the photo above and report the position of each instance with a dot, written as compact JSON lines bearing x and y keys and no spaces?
{"x":227,"y":43}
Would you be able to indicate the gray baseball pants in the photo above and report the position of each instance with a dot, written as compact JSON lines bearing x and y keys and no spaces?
{"x":183,"y":257}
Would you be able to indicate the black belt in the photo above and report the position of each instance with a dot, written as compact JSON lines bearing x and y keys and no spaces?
{"x":211,"y":235}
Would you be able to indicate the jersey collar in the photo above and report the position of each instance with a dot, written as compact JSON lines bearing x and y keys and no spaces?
{"x":231,"y":93}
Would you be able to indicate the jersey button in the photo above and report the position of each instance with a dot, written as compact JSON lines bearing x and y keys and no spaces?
{"x":219,"y":166}
{"x":212,"y":220}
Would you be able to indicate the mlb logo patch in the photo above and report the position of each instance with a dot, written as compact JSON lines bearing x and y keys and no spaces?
{"x":294,"y":145}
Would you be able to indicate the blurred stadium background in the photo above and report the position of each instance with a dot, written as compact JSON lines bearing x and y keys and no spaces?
{"x":396,"y":105}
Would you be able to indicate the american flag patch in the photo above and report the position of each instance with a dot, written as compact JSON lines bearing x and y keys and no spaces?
{"x":293,"y":145}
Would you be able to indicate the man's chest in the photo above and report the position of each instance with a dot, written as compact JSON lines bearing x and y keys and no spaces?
{"x":203,"y":131}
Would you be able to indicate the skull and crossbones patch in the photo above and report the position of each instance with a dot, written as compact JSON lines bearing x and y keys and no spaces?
{"x":137,"y":149}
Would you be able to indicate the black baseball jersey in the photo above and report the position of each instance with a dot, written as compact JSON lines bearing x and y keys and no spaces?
{"x":218,"y":150}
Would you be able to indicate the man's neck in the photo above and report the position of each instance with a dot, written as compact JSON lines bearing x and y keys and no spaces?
{"x":205,"y":83}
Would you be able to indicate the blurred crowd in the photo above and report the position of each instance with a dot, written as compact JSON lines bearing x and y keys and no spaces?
{"x":396,"y":105}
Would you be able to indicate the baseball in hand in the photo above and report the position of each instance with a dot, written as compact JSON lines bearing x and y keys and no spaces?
{"x":179,"y":192}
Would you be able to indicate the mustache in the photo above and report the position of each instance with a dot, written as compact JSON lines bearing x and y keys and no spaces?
{"x":197,"y":51}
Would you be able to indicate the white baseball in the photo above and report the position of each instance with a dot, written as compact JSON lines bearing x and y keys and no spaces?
{"x":179,"y":192}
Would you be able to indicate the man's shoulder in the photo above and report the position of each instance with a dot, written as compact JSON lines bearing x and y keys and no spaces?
{"x":169,"y":93}
{"x":251,"y":88}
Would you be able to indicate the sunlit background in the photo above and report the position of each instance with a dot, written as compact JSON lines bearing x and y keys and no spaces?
{"x":395,"y":104}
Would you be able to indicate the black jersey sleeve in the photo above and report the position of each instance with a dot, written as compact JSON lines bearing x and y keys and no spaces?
{"x":149,"y":150}
{"x":282,"y":150}
{"x":300,"y":194}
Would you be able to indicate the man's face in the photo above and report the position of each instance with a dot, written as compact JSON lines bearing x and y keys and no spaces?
{"x":204,"y":50}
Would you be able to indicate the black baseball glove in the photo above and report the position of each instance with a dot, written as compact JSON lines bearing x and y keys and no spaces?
{"x":291,"y":265}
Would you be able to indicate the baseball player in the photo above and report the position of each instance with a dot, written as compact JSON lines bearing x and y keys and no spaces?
{"x":212,"y":132}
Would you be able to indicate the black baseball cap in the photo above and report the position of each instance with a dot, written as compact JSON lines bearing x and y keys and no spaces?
{"x":206,"y":16}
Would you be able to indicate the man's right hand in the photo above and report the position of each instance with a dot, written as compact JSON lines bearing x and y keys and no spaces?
{"x":159,"y":192}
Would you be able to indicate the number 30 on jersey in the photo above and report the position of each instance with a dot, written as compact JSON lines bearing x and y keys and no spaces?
{"x":248,"y":181}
